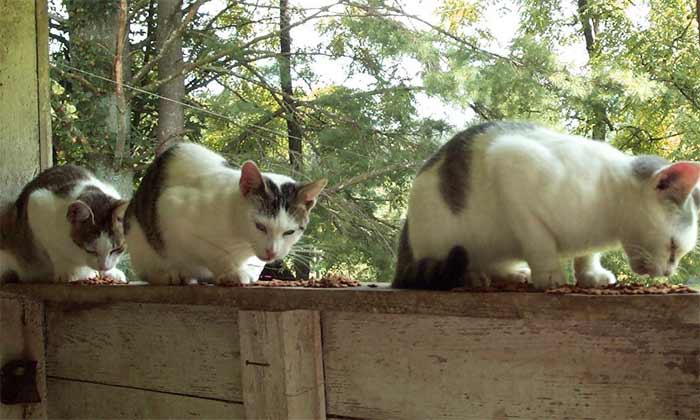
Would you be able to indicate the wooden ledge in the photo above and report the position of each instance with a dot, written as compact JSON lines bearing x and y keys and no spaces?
{"x":678,"y":308}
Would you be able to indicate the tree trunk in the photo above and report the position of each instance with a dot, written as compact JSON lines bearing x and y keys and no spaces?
{"x":294,"y":130}
{"x":104,"y":118}
{"x":171,"y":118}
{"x":590,"y":27}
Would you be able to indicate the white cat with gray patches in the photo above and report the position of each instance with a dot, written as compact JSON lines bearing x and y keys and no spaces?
{"x":195,"y":217}
{"x":65,"y":225}
{"x":499,"y":195}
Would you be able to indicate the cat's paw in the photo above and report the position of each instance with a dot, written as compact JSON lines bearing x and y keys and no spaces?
{"x":543,"y":280}
{"x":594,"y":278}
{"x":116,"y":275}
{"x":235,"y":278}
{"x":79,"y":274}
{"x":478,"y":279}
{"x":522,"y":275}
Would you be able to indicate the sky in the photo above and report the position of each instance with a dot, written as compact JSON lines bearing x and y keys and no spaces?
{"x":502,"y":22}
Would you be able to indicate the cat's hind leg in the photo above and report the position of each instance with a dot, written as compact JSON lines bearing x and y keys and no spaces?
{"x":589,"y":273}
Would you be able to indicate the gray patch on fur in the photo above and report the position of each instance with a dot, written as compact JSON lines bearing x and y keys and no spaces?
{"x":144,"y":203}
{"x":272,"y":199}
{"x":456,"y":157}
{"x":645,"y":166}
{"x":15,"y":231}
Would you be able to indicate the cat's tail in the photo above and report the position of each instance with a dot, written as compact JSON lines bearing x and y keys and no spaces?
{"x":429,"y":273}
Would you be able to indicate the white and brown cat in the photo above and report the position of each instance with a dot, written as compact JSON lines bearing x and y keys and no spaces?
{"x":195,"y":217}
{"x":499,"y":195}
{"x":65,"y":225}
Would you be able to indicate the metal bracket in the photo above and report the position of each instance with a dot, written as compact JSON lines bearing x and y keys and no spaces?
{"x":18,"y":382}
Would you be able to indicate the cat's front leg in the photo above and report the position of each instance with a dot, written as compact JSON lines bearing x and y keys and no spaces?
{"x":589,"y":273}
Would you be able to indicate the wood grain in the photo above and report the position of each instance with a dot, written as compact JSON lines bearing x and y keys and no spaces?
{"x":22,"y":337}
{"x":43,"y":84}
{"x":80,"y":400}
{"x":417,"y":367}
{"x":668,"y":308}
{"x":19,"y":118}
{"x":282,"y":365}
{"x":190,"y":350}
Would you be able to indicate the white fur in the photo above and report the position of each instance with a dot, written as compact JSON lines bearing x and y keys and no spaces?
{"x":51,"y":230}
{"x":208,"y":227}
{"x":536,"y":196}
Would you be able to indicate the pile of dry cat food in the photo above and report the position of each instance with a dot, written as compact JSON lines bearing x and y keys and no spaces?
{"x":100,"y":280}
{"x":613,"y":289}
{"x":329,"y":281}
{"x":624,"y":289}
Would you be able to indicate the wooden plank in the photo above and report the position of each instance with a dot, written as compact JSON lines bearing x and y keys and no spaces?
{"x":282,"y":365}
{"x":19,"y":131}
{"x":76,"y":400}
{"x":190,"y":350}
{"x":22,"y":337}
{"x":668,"y":308}
{"x":43,"y":84}
{"x":417,"y":367}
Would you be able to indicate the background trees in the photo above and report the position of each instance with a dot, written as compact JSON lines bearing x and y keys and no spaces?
{"x":362,"y":91}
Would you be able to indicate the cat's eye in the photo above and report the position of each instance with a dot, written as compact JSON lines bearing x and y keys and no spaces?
{"x":91,"y":251}
{"x":261,"y":228}
{"x":289,"y":232}
{"x":117,"y":250}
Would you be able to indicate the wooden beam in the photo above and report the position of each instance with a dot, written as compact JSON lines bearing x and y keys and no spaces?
{"x":683,"y":308}
{"x":418,"y":367}
{"x":43,"y":84}
{"x":188,"y":350}
{"x":84,"y":400}
{"x":282,"y":365}
{"x":19,"y":103}
{"x":22,"y":337}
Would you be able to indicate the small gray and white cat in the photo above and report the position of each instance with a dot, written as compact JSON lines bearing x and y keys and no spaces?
{"x":195,"y":217}
{"x":65,"y":225}
{"x":499,"y":195}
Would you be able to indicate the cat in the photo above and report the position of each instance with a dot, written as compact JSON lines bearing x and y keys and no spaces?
{"x":502,"y":194}
{"x":195,"y":217}
{"x":65,"y":225}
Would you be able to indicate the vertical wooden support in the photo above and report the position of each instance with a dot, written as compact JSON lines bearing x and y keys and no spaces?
{"x":282,"y":363}
{"x":22,"y":337}
{"x":25,"y":118}
{"x":43,"y":84}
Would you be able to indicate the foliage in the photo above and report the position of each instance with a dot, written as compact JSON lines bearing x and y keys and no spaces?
{"x":366,"y":129}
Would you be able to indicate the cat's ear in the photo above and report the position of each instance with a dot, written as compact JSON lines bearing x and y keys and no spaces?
{"x":118,"y":211}
{"x":251,"y":178}
{"x":309,"y":192}
{"x":78,"y":212}
{"x":677,"y":181}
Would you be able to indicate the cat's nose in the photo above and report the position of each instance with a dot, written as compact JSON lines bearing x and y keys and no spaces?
{"x":270,"y":254}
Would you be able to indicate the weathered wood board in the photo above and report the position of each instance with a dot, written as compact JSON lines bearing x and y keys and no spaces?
{"x":282,"y":365}
{"x":190,"y":350}
{"x":22,"y":337}
{"x":81,"y":400}
{"x":684,"y":308}
{"x":24,"y":107}
{"x":418,"y":367}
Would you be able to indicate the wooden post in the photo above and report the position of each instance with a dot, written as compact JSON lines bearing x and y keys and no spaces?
{"x":25,"y":125}
{"x":22,"y":337}
{"x":282,"y":365}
